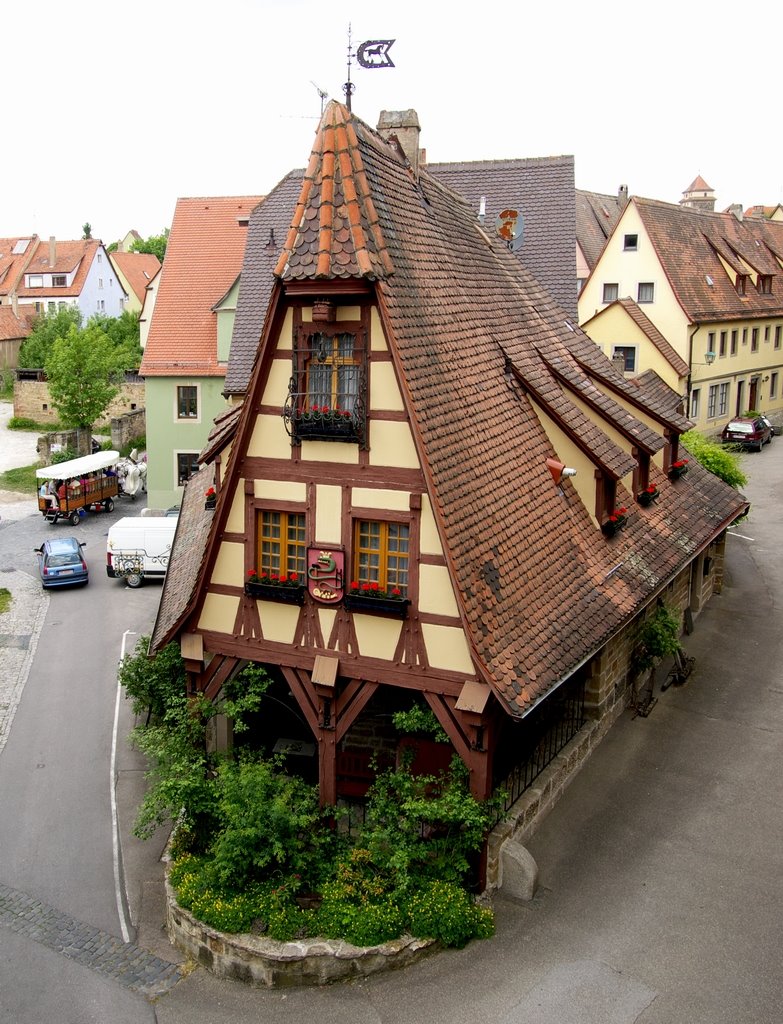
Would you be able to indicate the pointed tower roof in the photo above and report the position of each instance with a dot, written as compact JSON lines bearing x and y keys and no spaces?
{"x":698,"y":185}
{"x":335,"y":230}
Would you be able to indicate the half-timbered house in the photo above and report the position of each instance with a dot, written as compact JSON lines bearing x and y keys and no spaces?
{"x":435,"y":488}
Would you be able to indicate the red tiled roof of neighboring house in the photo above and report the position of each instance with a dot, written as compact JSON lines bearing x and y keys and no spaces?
{"x":487,"y":361}
{"x":649,"y":329}
{"x":13,"y":325}
{"x":688,"y":243}
{"x":138,"y":269}
{"x":69,"y":256}
{"x":203,"y":259}
{"x":15,"y":254}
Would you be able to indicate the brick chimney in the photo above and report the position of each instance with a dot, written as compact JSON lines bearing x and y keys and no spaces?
{"x":52,"y":251}
{"x":402,"y":125}
{"x":622,"y":196}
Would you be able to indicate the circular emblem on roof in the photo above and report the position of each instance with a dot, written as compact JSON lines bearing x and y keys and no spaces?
{"x":510,"y":226}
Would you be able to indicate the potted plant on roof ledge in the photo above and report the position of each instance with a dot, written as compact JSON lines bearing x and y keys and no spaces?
{"x":210,"y":498}
{"x":678,"y":469}
{"x":646,"y":497}
{"x":271,"y":586}
{"x":375,"y":599}
{"x":614,"y":522}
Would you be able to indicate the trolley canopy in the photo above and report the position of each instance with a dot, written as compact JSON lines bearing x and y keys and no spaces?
{"x":78,"y":467}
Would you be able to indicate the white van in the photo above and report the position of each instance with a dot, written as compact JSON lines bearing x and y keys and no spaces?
{"x":138,"y":548}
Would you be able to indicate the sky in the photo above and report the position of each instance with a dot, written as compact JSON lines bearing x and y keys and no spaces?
{"x":113,"y":111}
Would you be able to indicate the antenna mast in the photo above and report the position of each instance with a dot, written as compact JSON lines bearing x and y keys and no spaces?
{"x":349,"y":87}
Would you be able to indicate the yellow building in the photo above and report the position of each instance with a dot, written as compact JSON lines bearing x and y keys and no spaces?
{"x":712,"y":287}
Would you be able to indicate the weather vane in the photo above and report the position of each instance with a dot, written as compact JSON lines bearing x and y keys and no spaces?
{"x":373,"y":53}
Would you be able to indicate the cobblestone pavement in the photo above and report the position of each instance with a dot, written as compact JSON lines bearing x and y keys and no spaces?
{"x":129,"y":965}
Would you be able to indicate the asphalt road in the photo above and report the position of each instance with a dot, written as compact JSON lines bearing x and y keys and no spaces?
{"x":660,"y":868}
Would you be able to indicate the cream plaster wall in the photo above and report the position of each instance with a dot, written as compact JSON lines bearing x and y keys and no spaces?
{"x":280,"y":490}
{"x":447,"y":648}
{"x":229,"y":564}
{"x":570,"y":455}
{"x":377,"y":337}
{"x":330,"y":451}
{"x":371,"y":497}
{"x":236,"y":517}
{"x":285,"y":341}
{"x":270,"y":439}
{"x":326,"y":617}
{"x":377,"y":637}
{"x":391,"y":444}
{"x":278,"y":621}
{"x":384,"y":390}
{"x":627,"y":269}
{"x":328,"y":514}
{"x":436,"y":593}
{"x":614,"y":327}
{"x":276,"y":388}
{"x":429,"y":540}
{"x":219,"y":613}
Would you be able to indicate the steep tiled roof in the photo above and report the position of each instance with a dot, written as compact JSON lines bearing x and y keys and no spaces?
{"x":698,"y":185}
{"x":596,"y":216}
{"x":483,"y":349}
{"x":649,"y":329}
{"x":687,"y":243}
{"x":203,"y":259}
{"x":15,"y":254}
{"x":13,"y":326}
{"x":542,"y":190}
{"x":269,"y":224}
{"x":138,"y":269}
{"x":69,"y":257}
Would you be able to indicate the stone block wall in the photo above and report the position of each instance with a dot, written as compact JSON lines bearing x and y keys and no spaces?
{"x":32,"y":401}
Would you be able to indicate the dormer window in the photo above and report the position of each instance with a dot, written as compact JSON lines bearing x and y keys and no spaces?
{"x":742,"y":280}
{"x":765,"y":284}
{"x":59,"y":280}
{"x":326,"y":400}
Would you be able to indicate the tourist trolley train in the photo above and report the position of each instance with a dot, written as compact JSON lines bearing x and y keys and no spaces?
{"x":77,"y":486}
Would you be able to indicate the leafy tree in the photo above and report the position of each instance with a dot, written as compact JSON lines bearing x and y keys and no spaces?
{"x":125,"y":333}
{"x":47,"y":329}
{"x":83,"y":373}
{"x":155,"y":244}
{"x":715,"y":457}
{"x":87,"y":230}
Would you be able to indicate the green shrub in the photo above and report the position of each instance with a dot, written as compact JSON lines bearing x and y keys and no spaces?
{"x":657,"y":637}
{"x":418,"y":719}
{"x":716,"y":458}
{"x":444,"y":911}
{"x":23,"y":423}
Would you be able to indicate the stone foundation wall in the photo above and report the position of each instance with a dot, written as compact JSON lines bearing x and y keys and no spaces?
{"x":267,"y":963}
{"x":32,"y":401}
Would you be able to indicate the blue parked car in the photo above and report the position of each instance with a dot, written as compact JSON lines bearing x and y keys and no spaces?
{"x":61,"y":562}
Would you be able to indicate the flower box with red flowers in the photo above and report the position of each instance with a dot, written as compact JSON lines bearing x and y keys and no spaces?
{"x":210,"y":498}
{"x":648,"y":495}
{"x":372,"y":598}
{"x":322,"y":423}
{"x":614,"y":522}
{"x":678,"y":469}
{"x":286,"y":587}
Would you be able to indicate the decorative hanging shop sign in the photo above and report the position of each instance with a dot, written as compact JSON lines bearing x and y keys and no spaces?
{"x":326,"y":574}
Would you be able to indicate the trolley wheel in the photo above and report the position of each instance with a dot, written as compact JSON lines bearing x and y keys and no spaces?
{"x":134,"y":579}
{"x":73,"y":518}
{"x":108,"y":505}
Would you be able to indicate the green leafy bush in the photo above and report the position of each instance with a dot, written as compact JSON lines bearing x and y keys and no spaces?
{"x":444,"y":911}
{"x":716,"y":458}
{"x":657,"y":637}
{"x":418,"y":719}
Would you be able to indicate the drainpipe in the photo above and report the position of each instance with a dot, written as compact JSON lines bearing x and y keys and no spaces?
{"x":690,"y":368}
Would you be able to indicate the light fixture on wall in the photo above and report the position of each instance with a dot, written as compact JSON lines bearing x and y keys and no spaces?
{"x":709,"y":358}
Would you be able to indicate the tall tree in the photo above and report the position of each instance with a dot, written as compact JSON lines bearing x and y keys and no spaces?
{"x":83,"y":373}
{"x":46,"y":330}
{"x":87,"y":230}
{"x":155,"y":244}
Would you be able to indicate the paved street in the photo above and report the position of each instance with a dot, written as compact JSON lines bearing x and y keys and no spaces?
{"x":660,"y":900}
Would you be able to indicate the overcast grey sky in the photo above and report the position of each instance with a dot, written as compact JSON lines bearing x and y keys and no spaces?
{"x":114,"y":110}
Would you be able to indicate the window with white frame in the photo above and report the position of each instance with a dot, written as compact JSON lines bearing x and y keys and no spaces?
{"x":187,"y":402}
{"x":630,"y":243}
{"x":611,"y":292}
{"x":712,"y":401}
{"x":35,"y":281}
{"x":187,"y":465}
{"x":695,"y":396}
{"x":646,"y":291}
